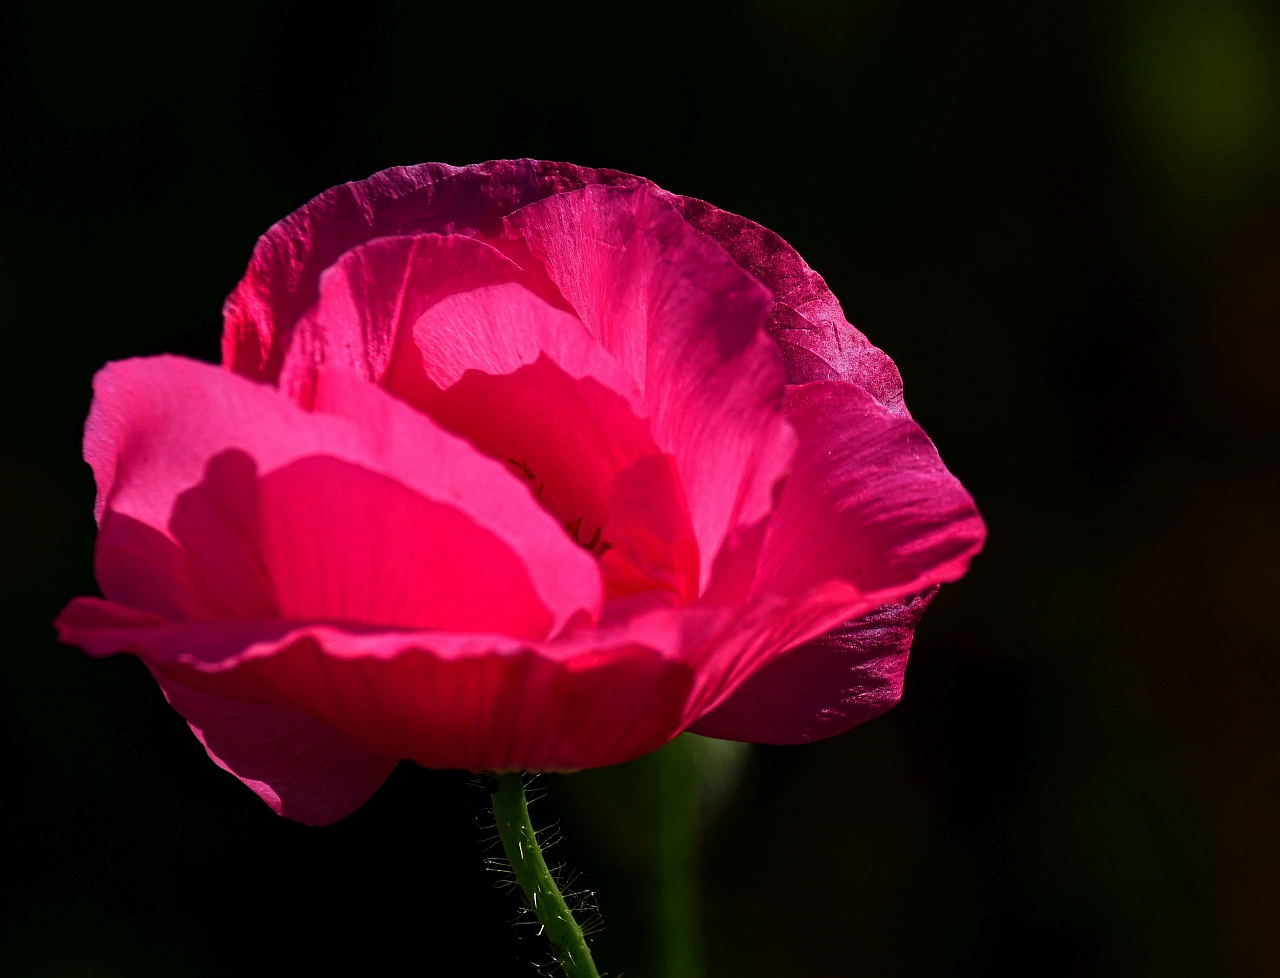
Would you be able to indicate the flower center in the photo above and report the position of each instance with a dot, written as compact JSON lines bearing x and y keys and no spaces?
{"x":572,"y":527}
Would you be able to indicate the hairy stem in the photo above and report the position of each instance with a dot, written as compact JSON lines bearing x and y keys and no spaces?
{"x":511,"y":812}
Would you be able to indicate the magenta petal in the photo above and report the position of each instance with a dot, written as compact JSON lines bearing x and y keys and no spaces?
{"x":869,"y":502}
{"x":343,"y":543}
{"x":526,"y":382}
{"x":364,"y":510}
{"x":478,"y":702}
{"x":825,"y":686}
{"x":283,"y":276}
{"x":500,"y":328}
{"x":525,"y":487}
{"x":686,"y":324}
{"x":817,"y":342}
{"x":650,"y":538}
{"x":373,"y":294}
{"x":870,"y":508}
{"x":300,"y":767}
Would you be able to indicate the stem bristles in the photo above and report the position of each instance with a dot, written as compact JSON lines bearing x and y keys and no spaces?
{"x":527,"y":865}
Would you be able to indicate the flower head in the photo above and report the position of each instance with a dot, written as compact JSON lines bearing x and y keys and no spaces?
{"x":516,"y":465}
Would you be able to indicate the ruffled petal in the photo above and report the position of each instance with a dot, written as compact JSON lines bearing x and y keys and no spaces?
{"x":869,"y":519}
{"x":526,"y":382}
{"x":591,"y":698}
{"x":363,"y":510}
{"x":373,"y":294}
{"x":473,"y":701}
{"x":671,"y":288}
{"x":686,"y":324}
{"x":868,"y":502}
{"x":302,"y":768}
{"x":663,"y":353}
{"x":824,"y":686}
{"x":444,"y":700}
{"x":817,"y":342}
{"x":283,"y":276}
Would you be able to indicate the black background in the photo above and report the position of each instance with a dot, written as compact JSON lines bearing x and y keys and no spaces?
{"x":1060,"y":219}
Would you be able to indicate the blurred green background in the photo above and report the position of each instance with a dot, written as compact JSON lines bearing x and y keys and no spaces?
{"x":1061,"y":219}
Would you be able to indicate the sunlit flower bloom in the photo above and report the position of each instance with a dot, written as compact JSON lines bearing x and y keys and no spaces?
{"x":518,"y":465}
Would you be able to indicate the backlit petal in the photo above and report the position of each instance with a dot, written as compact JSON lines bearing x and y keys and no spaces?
{"x":363,"y":510}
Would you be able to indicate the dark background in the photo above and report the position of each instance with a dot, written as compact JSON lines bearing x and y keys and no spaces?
{"x":1060,"y":219}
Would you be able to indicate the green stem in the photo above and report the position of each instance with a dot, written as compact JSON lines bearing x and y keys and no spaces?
{"x":511,"y":812}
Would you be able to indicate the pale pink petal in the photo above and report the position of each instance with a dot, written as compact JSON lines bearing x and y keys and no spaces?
{"x":686,"y":324}
{"x":825,"y":686}
{"x":364,"y":510}
{"x":283,"y":276}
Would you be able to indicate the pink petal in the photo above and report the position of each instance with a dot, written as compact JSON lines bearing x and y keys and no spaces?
{"x":526,"y":382}
{"x":650,"y":538}
{"x":868,"y":502}
{"x":478,"y":702}
{"x":825,"y":686}
{"x":500,"y":328}
{"x":807,"y":322}
{"x":374,"y":293}
{"x":685,"y":323}
{"x":748,"y":638}
{"x":283,"y":275}
{"x":343,"y":543}
{"x":868,"y":516}
{"x":671,"y":324}
{"x":301,"y":768}
{"x":518,"y":378}
{"x":870,"y":509}
{"x":364,"y":510}
{"x":142,"y":567}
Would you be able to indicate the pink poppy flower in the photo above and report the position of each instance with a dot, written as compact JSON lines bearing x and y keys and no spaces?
{"x":516,"y":465}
